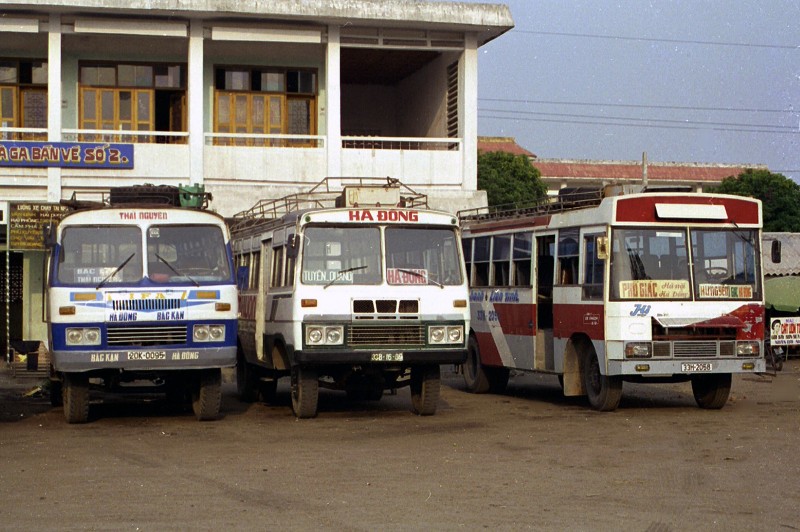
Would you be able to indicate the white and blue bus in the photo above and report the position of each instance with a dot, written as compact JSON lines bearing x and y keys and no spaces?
{"x":140,"y":297}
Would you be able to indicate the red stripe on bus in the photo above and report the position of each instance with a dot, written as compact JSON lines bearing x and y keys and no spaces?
{"x":489,"y":353}
{"x":643,"y":209}
{"x":587,"y":318}
{"x":516,"y":318}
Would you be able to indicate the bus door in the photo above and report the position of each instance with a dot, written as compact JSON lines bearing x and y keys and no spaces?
{"x":543,"y":298}
{"x":261,"y":300}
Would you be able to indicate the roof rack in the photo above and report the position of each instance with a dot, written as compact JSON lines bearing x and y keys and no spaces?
{"x":192,"y":196}
{"x":331,"y":192}
{"x":568,"y":199}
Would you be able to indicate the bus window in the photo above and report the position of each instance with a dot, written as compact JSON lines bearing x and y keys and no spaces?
{"x":545,"y":264}
{"x":568,"y":257}
{"x":481,"y":260}
{"x":522,"y":259}
{"x":501,"y":255}
{"x":95,"y":254}
{"x":339,"y":255}
{"x":593,"y":274}
{"x":421,"y":255}
{"x":466,"y":244}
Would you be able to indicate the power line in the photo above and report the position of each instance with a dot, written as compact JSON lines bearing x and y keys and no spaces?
{"x":652,"y":39}
{"x":640,"y":106}
{"x":636,"y":119}
{"x":658,"y":126}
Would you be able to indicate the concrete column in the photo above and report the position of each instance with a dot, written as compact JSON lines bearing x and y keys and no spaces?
{"x":54,"y":115}
{"x":195,"y":102}
{"x":333,"y":104}
{"x":468,"y":111}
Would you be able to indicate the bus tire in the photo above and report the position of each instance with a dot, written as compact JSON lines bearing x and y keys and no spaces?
{"x":604,"y":391}
{"x":498,"y":379}
{"x":76,"y":398}
{"x":207,"y":395}
{"x":267,"y":390}
{"x":56,"y":393}
{"x":711,"y":391}
{"x":305,"y":392}
{"x":475,"y":377}
{"x":425,"y":387}
{"x":246,"y":381}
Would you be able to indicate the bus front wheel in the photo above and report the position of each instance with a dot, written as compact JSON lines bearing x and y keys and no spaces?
{"x":474,"y":374}
{"x":75,"y":395}
{"x":711,"y":391}
{"x":604,"y":391}
{"x":305,"y":392}
{"x":207,"y":395}
{"x":425,"y":387}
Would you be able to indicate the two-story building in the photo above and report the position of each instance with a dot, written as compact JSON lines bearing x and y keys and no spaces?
{"x":250,"y":99}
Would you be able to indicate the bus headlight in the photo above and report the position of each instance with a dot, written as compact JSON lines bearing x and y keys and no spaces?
{"x":83,"y":336}
{"x":208,"y":333}
{"x":747,"y":349}
{"x":638,"y":350}
{"x":324,"y":335}
{"x":449,"y":334}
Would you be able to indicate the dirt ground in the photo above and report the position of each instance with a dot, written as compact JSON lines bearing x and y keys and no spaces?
{"x":528,"y":459}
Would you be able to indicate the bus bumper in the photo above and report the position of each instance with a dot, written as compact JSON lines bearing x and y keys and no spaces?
{"x":655,"y":368}
{"x":145,"y":359}
{"x":382,"y":356}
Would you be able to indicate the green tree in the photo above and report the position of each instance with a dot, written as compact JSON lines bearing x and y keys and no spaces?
{"x":780,"y":197}
{"x":509,"y":178}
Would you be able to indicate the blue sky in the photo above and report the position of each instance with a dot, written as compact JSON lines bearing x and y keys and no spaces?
{"x":685,"y":81}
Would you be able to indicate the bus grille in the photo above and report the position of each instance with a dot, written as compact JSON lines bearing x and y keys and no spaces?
{"x":703,"y":349}
{"x":385,"y":309}
{"x":146,"y":304}
{"x":141,"y":336}
{"x":381,"y":335}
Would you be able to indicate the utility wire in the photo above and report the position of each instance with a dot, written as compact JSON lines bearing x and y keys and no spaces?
{"x":633,"y":119}
{"x":640,"y":106}
{"x":651,"y":39}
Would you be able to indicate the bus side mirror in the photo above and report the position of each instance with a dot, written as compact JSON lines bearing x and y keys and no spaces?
{"x":49,"y":235}
{"x":776,"y":251}
{"x":602,"y":247}
{"x":292,"y":246}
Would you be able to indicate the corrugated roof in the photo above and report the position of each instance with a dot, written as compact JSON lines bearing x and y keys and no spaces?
{"x":632,"y":170}
{"x":503,"y":144}
{"x":790,"y":254}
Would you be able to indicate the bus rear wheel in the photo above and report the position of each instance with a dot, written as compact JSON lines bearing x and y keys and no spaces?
{"x":474,"y":374}
{"x":75,"y":395}
{"x":305,"y":392}
{"x":711,"y":391}
{"x":604,"y":391}
{"x":207,"y":395}
{"x":425,"y":387}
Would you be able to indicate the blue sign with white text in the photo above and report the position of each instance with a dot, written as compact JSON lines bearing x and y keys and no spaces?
{"x":66,"y":154}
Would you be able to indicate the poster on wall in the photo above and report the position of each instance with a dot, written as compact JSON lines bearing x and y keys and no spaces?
{"x":26,"y":223}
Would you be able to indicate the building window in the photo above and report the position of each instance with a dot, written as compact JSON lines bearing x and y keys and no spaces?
{"x":133,"y":97}
{"x":265,"y":102}
{"x":23,"y":98}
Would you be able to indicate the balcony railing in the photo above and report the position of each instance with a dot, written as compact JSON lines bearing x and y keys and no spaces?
{"x":125,"y":136}
{"x":23,"y":133}
{"x":401,"y":143}
{"x":265,"y":140}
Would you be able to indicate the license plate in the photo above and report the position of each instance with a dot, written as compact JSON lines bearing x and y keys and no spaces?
{"x":696,"y":367}
{"x":386,"y":357}
{"x":147,"y":355}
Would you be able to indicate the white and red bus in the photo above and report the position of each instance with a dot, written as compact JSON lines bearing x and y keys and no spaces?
{"x":353,"y":286}
{"x":607,"y":287}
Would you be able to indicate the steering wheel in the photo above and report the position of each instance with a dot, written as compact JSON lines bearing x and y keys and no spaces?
{"x":716,"y":272}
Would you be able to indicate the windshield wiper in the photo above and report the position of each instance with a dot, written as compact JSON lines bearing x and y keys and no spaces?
{"x":112,"y":274}
{"x":428,"y":279}
{"x":342,"y":272}
{"x":171,"y":267}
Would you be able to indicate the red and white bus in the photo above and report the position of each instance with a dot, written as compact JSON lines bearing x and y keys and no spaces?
{"x":355,"y":286}
{"x":610,"y":286}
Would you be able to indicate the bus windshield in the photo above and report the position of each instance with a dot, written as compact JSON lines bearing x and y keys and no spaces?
{"x":419,"y":255}
{"x":181,"y":253}
{"x":100,"y":255}
{"x":654,"y":264}
{"x":341,"y":255}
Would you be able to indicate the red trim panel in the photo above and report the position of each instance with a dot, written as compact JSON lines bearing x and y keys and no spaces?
{"x":489,"y":354}
{"x":516,"y":318}
{"x":570,"y":319}
{"x":643,"y":209}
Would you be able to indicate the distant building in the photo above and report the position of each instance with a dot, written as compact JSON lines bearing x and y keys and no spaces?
{"x":561,"y":173}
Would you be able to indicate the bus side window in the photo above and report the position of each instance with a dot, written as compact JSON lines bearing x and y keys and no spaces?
{"x":481,"y":260}
{"x":501,"y":254}
{"x":522,"y":259}
{"x":466,"y":244}
{"x":568,"y":257}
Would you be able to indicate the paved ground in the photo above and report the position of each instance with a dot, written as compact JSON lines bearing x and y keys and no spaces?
{"x":529,"y":459}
